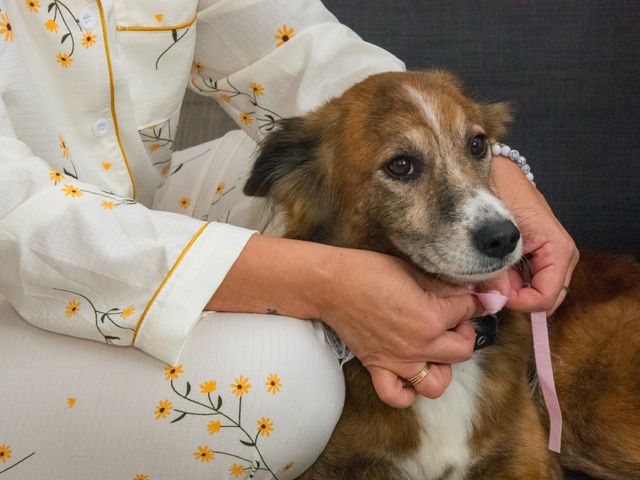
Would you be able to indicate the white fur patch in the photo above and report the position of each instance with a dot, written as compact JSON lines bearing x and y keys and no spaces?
{"x":485,"y":206}
{"x":428,"y":112}
{"x":446,"y":427}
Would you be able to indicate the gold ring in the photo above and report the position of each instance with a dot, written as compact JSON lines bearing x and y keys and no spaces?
{"x":418,"y":377}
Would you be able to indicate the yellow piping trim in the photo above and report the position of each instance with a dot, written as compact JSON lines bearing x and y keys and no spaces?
{"x":157,"y":29}
{"x":166,"y":279}
{"x":113,"y":103}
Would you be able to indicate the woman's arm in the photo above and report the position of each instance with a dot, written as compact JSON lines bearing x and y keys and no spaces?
{"x":391,"y":316}
{"x":82,"y":261}
{"x":268,"y":59}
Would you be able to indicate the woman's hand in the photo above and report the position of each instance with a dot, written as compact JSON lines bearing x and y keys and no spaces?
{"x":395,"y":319}
{"x":551,"y":252}
{"x":392,"y":317}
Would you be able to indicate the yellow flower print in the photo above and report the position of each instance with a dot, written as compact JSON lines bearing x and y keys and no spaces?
{"x":165,"y":171}
{"x":197,"y":66}
{"x":204,"y":454}
{"x":240,"y":386}
{"x":265,"y":427}
{"x":288,"y":467}
{"x":273,"y":383}
{"x":172,"y":372}
{"x":284,"y":35}
{"x":63,"y":146}
{"x":5,"y":28}
{"x":257,"y":89}
{"x":5,"y":453}
{"x":107,"y":205}
{"x":51,"y":25}
{"x":163,"y":409}
{"x":184,"y":202}
{"x":72,"y":308}
{"x":236,"y":470}
{"x":33,"y":5}
{"x":225,"y":98}
{"x":159,"y":17}
{"x":246,"y":118}
{"x":153,"y":147}
{"x":128,"y":311}
{"x":55,"y":176}
{"x":71,"y":401}
{"x":220,"y":188}
{"x":64,"y":59}
{"x":208,"y":386}
{"x":88,"y":39}
{"x":213,"y":427}
{"x":141,"y":476}
{"x":71,"y":191}
{"x":106,"y":165}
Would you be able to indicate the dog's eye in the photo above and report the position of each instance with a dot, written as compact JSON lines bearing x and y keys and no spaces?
{"x":478,"y":146}
{"x":400,"y":167}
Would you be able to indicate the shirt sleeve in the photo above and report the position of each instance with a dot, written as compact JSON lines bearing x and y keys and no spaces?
{"x":267,"y":59}
{"x":85,"y":262}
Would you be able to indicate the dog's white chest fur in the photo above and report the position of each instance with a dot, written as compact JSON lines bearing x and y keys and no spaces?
{"x":446,"y":427}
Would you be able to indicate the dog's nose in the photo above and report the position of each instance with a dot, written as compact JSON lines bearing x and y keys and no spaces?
{"x":497,"y":239}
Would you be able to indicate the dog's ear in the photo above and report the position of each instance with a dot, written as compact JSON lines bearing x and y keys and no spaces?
{"x":495,"y":118}
{"x":282,"y":152}
{"x":288,"y":170}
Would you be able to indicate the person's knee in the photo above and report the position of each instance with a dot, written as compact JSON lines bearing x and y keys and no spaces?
{"x":296,"y":381}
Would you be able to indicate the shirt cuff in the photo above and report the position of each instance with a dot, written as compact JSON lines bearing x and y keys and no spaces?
{"x":177,"y":304}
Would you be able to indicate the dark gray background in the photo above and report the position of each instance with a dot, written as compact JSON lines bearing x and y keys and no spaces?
{"x":570,"y":70}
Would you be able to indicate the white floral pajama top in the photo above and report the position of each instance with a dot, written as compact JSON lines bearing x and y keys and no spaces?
{"x":90,"y":99}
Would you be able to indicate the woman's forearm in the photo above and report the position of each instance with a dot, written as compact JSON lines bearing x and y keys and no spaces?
{"x":277,"y":275}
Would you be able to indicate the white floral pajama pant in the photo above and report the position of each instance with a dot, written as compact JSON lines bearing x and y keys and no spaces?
{"x":254,"y":396}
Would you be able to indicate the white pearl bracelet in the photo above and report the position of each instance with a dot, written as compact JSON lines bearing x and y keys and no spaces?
{"x":514,"y":155}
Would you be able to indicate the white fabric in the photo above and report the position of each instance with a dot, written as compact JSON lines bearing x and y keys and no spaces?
{"x":67,"y":396}
{"x":90,"y":413}
{"x":104,"y":235}
{"x":88,"y":116}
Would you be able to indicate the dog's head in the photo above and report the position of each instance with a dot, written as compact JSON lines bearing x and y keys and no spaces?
{"x":400,"y":163}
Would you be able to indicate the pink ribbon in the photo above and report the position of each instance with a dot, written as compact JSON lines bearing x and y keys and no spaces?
{"x":542,"y":353}
{"x":493,"y":301}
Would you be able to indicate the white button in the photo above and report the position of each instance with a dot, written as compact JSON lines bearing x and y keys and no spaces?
{"x":88,"y":18}
{"x":101,"y":127}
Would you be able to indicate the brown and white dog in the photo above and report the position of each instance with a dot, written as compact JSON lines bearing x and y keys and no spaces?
{"x":400,"y":164}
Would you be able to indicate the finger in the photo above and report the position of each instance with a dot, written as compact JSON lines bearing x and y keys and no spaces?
{"x":565,"y":289}
{"x":549,"y":273}
{"x":454,"y":345}
{"x":436,"y":381}
{"x":390,"y":388}
{"x":450,"y":311}
{"x":561,"y":298}
{"x":515,"y":280}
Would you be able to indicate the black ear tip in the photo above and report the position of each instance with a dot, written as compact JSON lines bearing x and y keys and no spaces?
{"x":255,"y":186}
{"x":282,"y":151}
{"x":264,"y":168}
{"x":250,"y":189}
